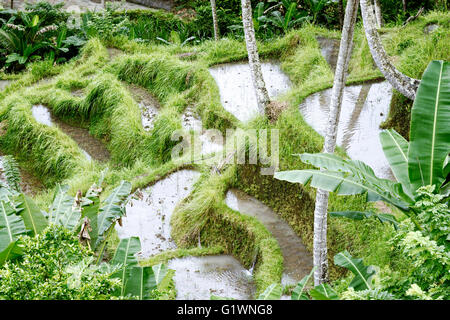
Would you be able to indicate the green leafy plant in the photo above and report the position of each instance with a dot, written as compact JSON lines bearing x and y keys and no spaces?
{"x":79,"y":276}
{"x":315,"y":7}
{"x":287,"y":17}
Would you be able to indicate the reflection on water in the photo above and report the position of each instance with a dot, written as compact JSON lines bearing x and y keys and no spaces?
{"x":148,"y":215}
{"x":197,"y":278}
{"x":330,"y":50}
{"x":91,"y":147}
{"x":236,"y":87}
{"x":364,"y":108}
{"x":297,"y":260}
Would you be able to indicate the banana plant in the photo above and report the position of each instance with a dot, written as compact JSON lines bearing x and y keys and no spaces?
{"x":19,"y":216}
{"x":420,"y":162}
{"x":292,"y":16}
{"x":135,"y":280}
{"x":315,"y":6}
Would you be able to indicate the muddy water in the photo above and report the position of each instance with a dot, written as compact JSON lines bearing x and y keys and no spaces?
{"x":297,"y":260}
{"x":91,"y":147}
{"x":330,"y":50}
{"x":148,"y":105}
{"x":148,"y":216}
{"x":197,"y":278}
{"x":364,"y":108}
{"x":190,"y":121}
{"x":236,"y":88}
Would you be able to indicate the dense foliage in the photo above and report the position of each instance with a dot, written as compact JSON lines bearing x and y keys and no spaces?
{"x":55,"y":266}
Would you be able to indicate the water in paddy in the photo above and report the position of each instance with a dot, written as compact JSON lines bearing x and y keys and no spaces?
{"x":4,"y":84}
{"x":91,"y":147}
{"x":297,"y":260}
{"x":236,"y":87}
{"x":148,"y":105}
{"x":364,"y":108}
{"x":197,"y":278}
{"x":148,"y":215}
{"x":330,"y":50}
{"x":208,"y":142}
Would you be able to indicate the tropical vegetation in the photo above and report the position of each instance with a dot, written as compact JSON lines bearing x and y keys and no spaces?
{"x":93,"y":73}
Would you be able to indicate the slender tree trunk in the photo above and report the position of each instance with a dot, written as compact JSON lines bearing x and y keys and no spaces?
{"x":404,"y":6}
{"x":402,"y":83}
{"x":320,"y":212}
{"x":262,"y":96}
{"x":214,"y":15}
{"x":378,"y":13}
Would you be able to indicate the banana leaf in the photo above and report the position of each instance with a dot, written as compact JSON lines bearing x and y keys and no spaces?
{"x":299,"y":292}
{"x":32,"y":216}
{"x":63,"y":211}
{"x":363,"y":274}
{"x":11,"y":252}
{"x":323,"y":292}
{"x":141,"y":282}
{"x":344,"y":183}
{"x":395,"y":148}
{"x":112,"y":208}
{"x":126,"y":257}
{"x":11,"y":225}
{"x":430,"y":130}
{"x":360,"y":215}
{"x":272,"y":292}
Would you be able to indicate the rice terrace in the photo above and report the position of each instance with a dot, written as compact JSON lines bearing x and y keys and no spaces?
{"x":224,"y":150}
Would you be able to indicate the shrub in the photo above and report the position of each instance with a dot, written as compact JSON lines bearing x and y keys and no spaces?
{"x":54,"y":266}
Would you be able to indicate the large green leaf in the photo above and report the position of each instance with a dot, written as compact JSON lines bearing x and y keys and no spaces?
{"x":362,"y":273}
{"x":141,"y":282}
{"x":360,"y":215}
{"x":323,"y":292}
{"x":31,"y":214}
{"x":344,"y":183}
{"x":395,"y":148}
{"x":112,"y":208}
{"x":430,"y":129}
{"x":126,"y":257}
{"x":61,"y":201}
{"x":299,"y":292}
{"x":11,"y":252}
{"x":11,"y":225}
{"x":272,"y":292}
{"x":160,"y":271}
{"x":361,"y":171}
{"x":63,"y":210}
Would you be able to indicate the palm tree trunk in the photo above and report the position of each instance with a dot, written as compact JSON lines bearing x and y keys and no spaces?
{"x":214,"y":15}
{"x":262,"y":95}
{"x":402,"y":83}
{"x":320,"y":255}
{"x":378,"y":13}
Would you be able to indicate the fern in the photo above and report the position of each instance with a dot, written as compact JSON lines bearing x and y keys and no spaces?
{"x":11,"y":172}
